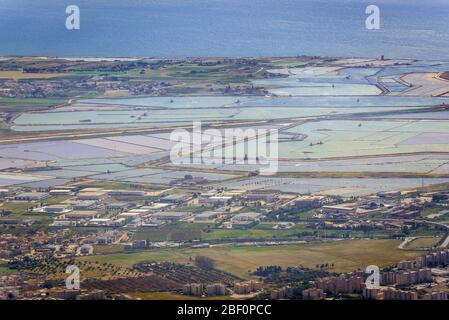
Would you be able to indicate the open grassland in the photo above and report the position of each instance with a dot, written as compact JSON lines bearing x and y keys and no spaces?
{"x":345,"y":255}
{"x":19,"y":75}
{"x":17,"y":209}
{"x":424,"y":242}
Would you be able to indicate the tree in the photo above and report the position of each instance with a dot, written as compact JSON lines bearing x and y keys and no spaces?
{"x":204,"y":262}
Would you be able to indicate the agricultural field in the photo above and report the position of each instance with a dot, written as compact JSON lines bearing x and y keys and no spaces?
{"x":55,"y":269}
{"x":183,"y":72}
{"x":257,"y":232}
{"x":174,"y":232}
{"x":262,"y":232}
{"x":18,"y":75}
{"x":171,"y":296}
{"x":18,"y":104}
{"x":147,"y":283}
{"x":208,"y":232}
{"x":185,"y":274}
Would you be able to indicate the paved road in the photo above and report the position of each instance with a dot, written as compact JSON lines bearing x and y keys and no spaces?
{"x":445,"y":242}
{"x":405,"y":242}
{"x":443,"y":226}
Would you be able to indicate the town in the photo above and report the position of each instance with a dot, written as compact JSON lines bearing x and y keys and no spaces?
{"x":98,"y":202}
{"x":91,"y":222}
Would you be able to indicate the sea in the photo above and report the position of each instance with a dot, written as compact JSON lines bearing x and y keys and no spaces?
{"x":225,"y":28}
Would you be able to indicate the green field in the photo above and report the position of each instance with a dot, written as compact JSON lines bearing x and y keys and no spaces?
{"x":184,"y":231}
{"x":261,"y":231}
{"x":30,"y":101}
{"x":17,"y":207}
{"x":4,"y":270}
{"x":175,"y":231}
{"x":189,"y":72}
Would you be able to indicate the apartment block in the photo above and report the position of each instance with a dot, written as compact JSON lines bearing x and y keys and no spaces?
{"x":392,"y":294}
{"x":216,"y":289}
{"x":313,"y":294}
{"x":193,"y":289}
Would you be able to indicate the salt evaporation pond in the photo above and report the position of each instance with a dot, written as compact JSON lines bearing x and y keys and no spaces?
{"x":347,"y":187}
{"x":356,"y":101}
{"x":115,"y":119}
